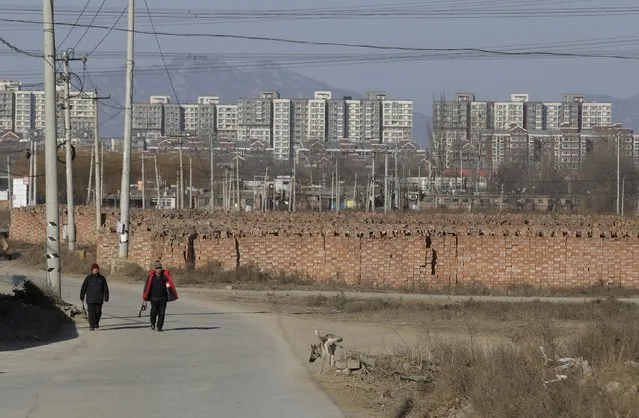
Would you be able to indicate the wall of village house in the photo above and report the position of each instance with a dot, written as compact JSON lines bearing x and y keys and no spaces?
{"x":396,"y":250}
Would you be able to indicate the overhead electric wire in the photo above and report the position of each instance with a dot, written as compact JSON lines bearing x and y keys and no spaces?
{"x":157,"y":40}
{"x":77,"y":20}
{"x":89,"y":25}
{"x":108,"y":31}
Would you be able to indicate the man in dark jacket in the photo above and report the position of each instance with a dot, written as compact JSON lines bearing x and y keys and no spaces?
{"x":159,"y":289}
{"x":96,"y":290}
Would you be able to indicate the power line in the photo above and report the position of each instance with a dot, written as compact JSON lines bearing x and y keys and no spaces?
{"x":76,"y":21}
{"x":89,"y":25}
{"x":109,"y":31}
{"x":157,"y":40}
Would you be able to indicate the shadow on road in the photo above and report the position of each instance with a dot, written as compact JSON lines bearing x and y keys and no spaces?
{"x":192,"y":314}
{"x":191,"y":329}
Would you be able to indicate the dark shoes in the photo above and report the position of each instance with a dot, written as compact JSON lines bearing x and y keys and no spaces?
{"x":159,"y":329}
{"x":152,"y":327}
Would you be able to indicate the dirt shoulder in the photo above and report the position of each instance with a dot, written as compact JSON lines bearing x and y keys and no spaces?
{"x":454,"y":348}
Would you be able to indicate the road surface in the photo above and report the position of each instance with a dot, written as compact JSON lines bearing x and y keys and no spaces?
{"x":208,"y":362}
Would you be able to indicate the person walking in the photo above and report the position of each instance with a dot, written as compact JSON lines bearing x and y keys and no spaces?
{"x":159,"y":290}
{"x":96,"y":290}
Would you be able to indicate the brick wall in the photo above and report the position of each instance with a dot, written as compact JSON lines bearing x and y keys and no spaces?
{"x":398,"y":250}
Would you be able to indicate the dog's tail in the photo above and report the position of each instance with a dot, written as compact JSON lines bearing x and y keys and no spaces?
{"x":317,"y":333}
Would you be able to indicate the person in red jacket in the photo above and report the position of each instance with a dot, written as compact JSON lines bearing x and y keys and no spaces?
{"x":159,"y":290}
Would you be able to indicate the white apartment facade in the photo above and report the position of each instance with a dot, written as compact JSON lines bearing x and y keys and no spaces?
{"x":397,"y":120}
{"x":282,"y":128}
{"x":316,"y":123}
{"x":191,"y":117}
{"x":596,"y":114}
{"x":506,"y":114}
{"x":226,"y":119}
{"x":24,"y":111}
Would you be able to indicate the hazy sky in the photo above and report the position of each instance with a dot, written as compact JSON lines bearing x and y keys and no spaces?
{"x":418,"y":80}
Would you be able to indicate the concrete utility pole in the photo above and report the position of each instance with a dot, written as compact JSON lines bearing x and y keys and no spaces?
{"x":212,"y":198}
{"x":30,"y":194}
{"x":66,"y":79}
{"x":181,"y":183}
{"x":337,"y":189}
{"x":90,"y":178}
{"x":143,"y":182}
{"x":618,"y":200}
{"x":98,"y":152}
{"x":237,"y":180}
{"x":50,"y":154}
{"x":157,"y":181}
{"x":35,"y":173}
{"x":396,"y":182}
{"x":9,"y":183}
{"x":101,"y":172}
{"x":386,"y":182}
{"x":125,"y":190}
{"x":190,"y":182}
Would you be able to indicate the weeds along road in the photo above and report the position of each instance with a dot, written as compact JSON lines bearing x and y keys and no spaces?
{"x":208,"y":362}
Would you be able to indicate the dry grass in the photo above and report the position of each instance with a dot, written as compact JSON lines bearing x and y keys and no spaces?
{"x":244,"y":277}
{"x":71,"y":262}
{"x":504,"y":379}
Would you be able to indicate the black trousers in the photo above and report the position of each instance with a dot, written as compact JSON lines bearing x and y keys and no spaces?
{"x":94,"y":310}
{"x":158,"y":310}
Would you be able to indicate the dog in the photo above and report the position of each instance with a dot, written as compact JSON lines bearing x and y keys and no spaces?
{"x":325,"y":349}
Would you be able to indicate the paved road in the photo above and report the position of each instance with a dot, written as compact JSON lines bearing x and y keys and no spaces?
{"x":208,"y":363}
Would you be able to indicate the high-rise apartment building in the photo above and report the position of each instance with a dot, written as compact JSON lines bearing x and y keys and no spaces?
{"x":6,"y":110}
{"x":316,"y":125}
{"x":173,"y":119}
{"x":226,"y":122}
{"x":254,"y":116}
{"x":473,"y":133}
{"x":336,"y":120}
{"x":397,"y":120}
{"x":282,"y":129}
{"x":191,"y":118}
{"x":24,"y":112}
{"x":299,"y":122}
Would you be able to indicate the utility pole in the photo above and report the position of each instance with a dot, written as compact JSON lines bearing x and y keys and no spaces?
{"x":237,"y":180}
{"x":386,"y":182}
{"x":9,"y":183}
{"x":396,"y":182}
{"x":125,"y":188}
{"x":181,"y":183}
{"x":337,"y":190}
{"x":212,"y":198}
{"x":618,"y":200}
{"x":35,"y":172}
{"x":190,"y":182}
{"x":101,"y":194}
{"x":372,"y":193}
{"x":355,"y":188}
{"x":157,"y":181}
{"x":98,"y":152}
{"x":66,"y":79}
{"x":294,"y":194}
{"x":623,"y":193}
{"x":50,"y":154}
{"x":30,"y":194}
{"x":143,"y":183}
{"x":90,"y":178}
